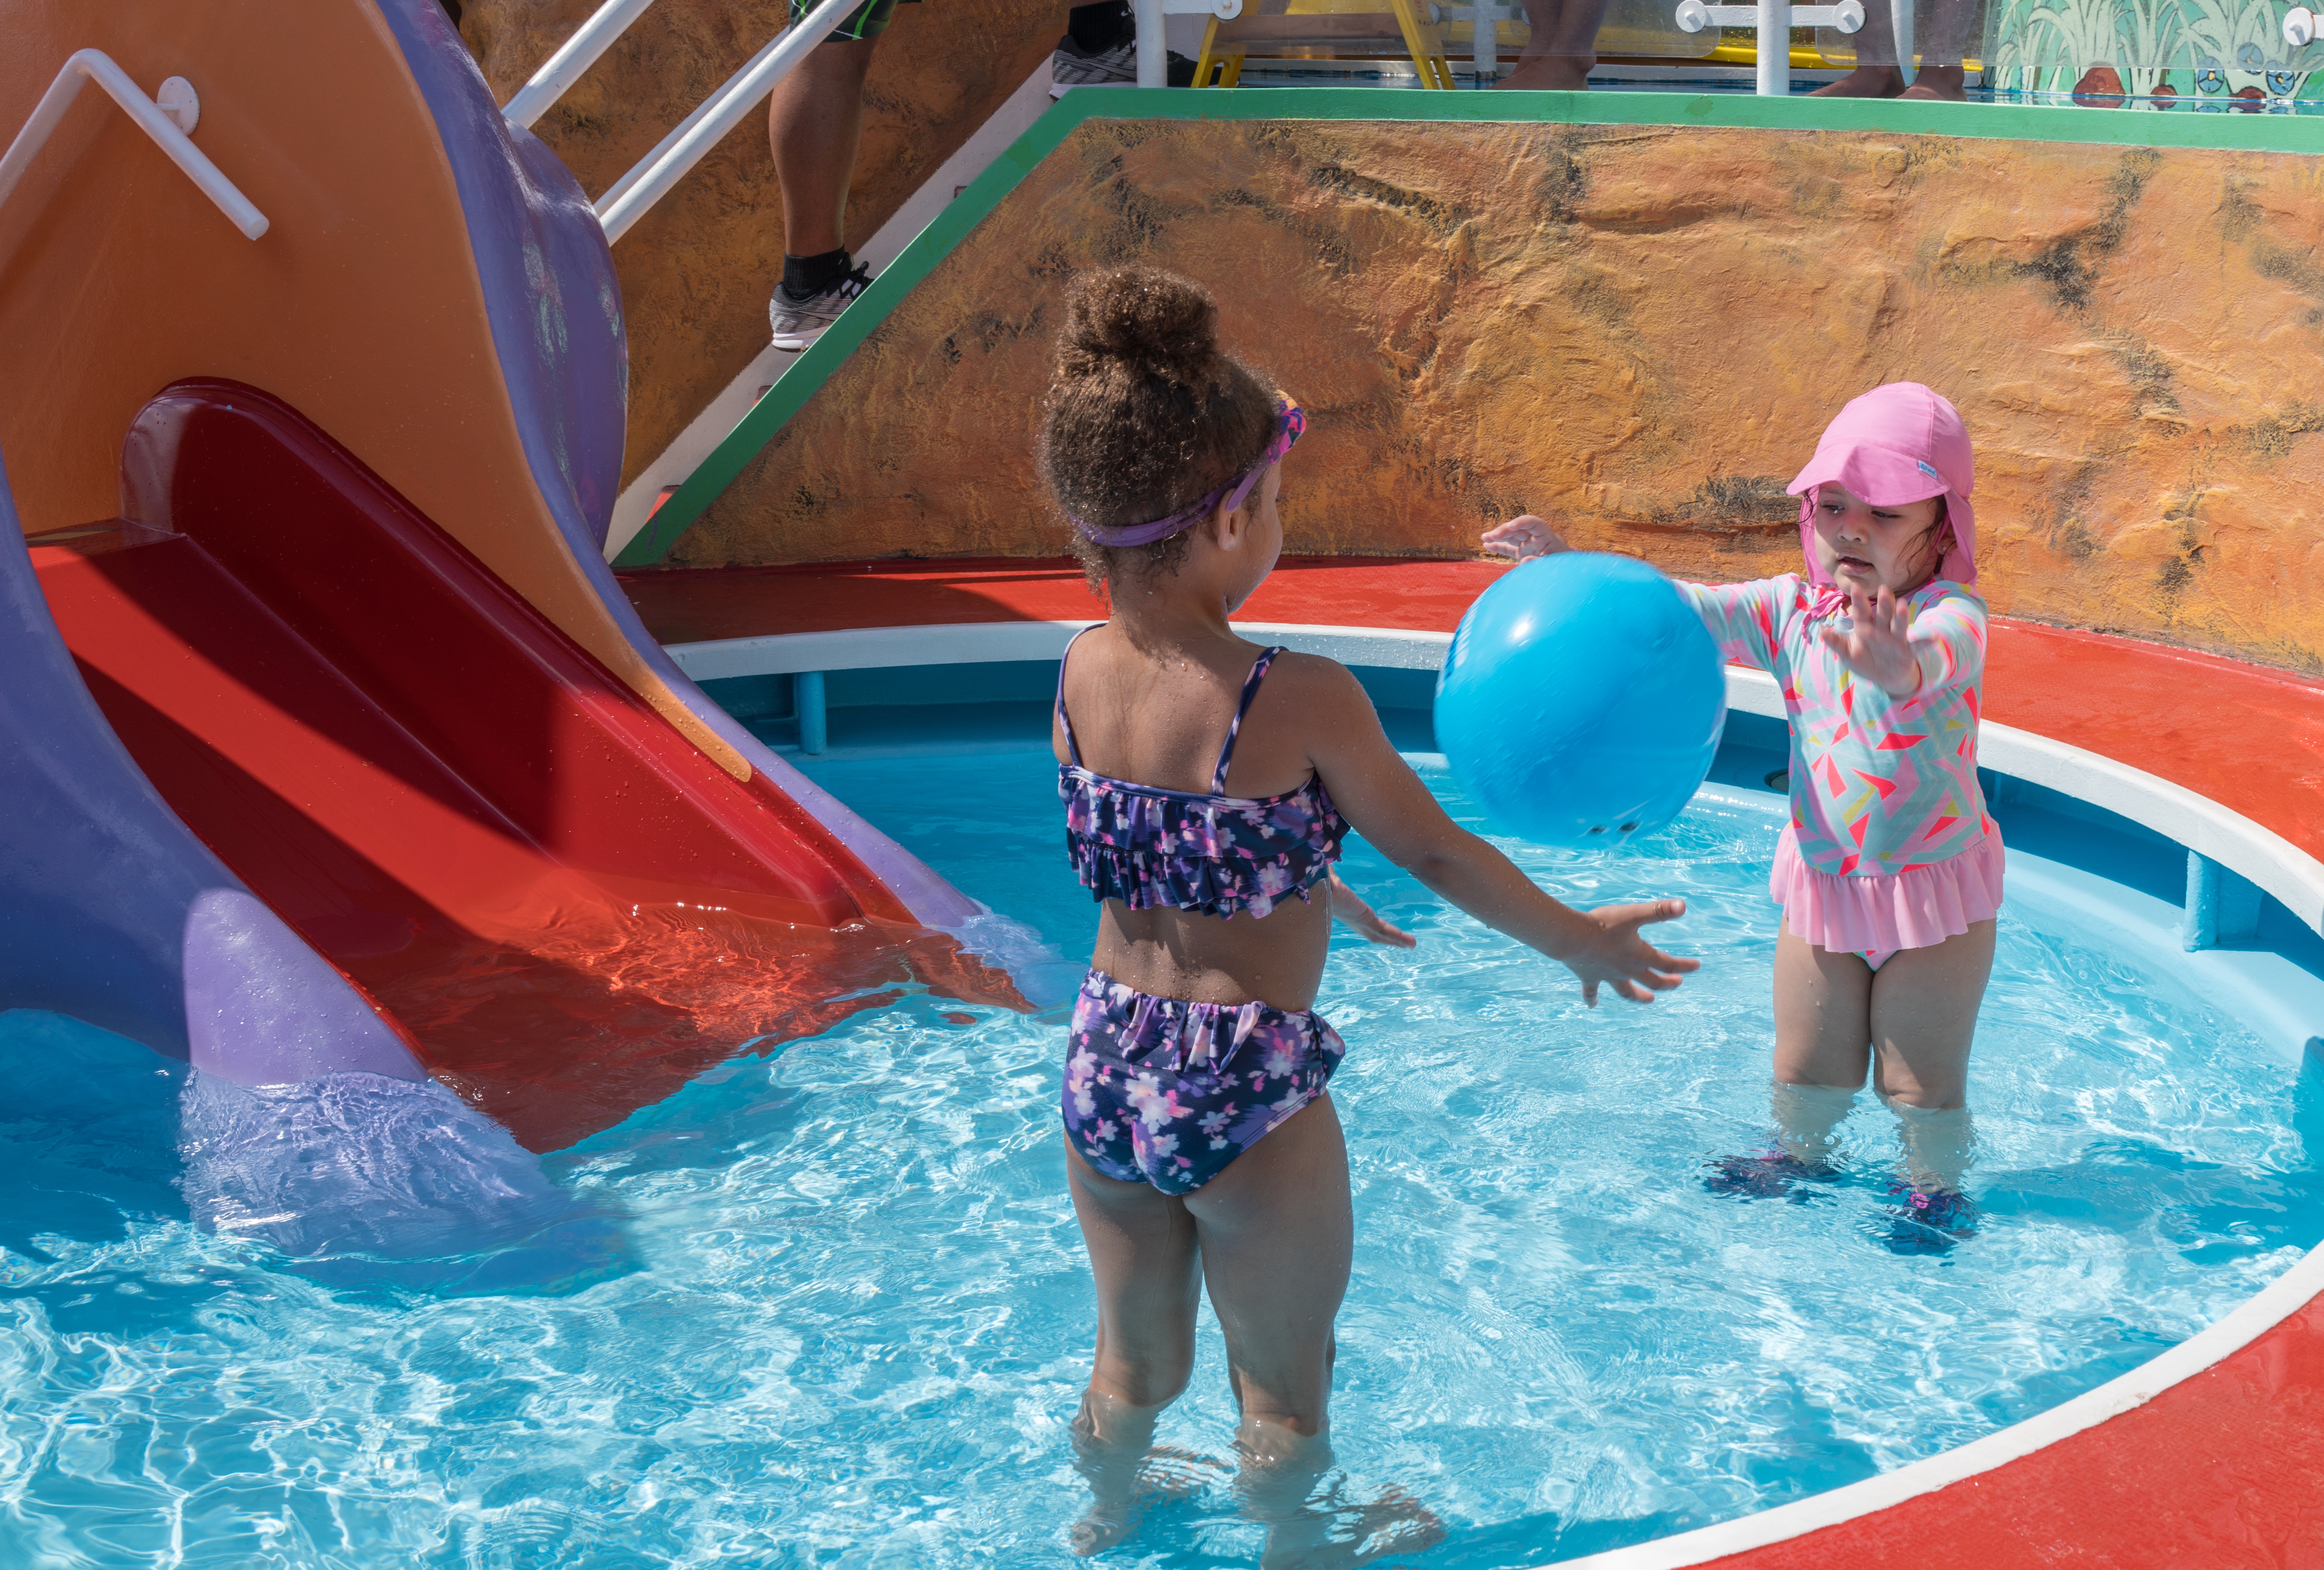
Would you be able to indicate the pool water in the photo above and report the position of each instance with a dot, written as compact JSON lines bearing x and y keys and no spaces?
{"x":850,"y":1318}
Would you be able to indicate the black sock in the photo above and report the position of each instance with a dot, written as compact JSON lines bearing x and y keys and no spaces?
{"x":1094,"y":29}
{"x":805,"y":277}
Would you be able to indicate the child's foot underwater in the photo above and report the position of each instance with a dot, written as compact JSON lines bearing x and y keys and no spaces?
{"x":1168,"y":1472}
{"x":1928,"y":1221}
{"x":1328,"y":1533}
{"x":1773,"y":1174}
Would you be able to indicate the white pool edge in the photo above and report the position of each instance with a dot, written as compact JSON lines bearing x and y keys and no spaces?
{"x":2270,"y":1307}
{"x":2193,"y":819}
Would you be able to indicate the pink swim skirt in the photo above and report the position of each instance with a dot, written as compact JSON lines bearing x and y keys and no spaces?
{"x":1879,"y":916}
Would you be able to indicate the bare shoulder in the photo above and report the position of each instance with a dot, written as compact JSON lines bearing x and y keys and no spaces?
{"x":1317,"y":704}
{"x":1310,"y":680}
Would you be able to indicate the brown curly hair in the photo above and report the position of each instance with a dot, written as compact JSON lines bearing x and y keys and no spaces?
{"x":1145,"y":414}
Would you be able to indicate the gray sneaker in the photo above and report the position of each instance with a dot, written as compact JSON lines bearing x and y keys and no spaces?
{"x":1070,"y":68}
{"x":800,"y":322}
{"x":1116,"y":67}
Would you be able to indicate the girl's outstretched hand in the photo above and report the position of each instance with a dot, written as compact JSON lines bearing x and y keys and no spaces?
{"x":1616,"y":957}
{"x":1349,"y":906}
{"x":1877,"y":646}
{"x":1522,"y":538}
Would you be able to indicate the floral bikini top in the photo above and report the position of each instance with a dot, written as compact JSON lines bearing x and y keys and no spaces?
{"x":1154,"y":849}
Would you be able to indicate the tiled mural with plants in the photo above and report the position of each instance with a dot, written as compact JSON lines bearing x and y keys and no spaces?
{"x":2156,"y":54}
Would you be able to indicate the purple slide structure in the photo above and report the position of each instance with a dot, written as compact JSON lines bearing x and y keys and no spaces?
{"x":111,"y":910}
{"x":305,"y":1120}
{"x":554,"y":302}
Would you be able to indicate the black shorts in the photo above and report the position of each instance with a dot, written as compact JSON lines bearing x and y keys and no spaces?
{"x":869,"y":20}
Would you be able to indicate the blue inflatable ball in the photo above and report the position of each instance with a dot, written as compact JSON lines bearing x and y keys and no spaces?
{"x":1582,"y":700}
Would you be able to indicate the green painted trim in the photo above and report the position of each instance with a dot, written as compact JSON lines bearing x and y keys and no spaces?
{"x":824,"y":355}
{"x":2000,"y":122}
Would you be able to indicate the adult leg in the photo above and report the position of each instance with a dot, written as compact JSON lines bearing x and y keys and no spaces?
{"x":815,"y":123}
{"x":1943,"y":41}
{"x":1877,"y":74}
{"x":1947,"y":83}
{"x":1557,"y":57}
{"x":1823,"y":1041}
{"x":1923,"y":1017}
{"x":1144,"y":1256}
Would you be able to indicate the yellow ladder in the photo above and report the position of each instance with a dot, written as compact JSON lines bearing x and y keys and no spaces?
{"x":1270,"y":32}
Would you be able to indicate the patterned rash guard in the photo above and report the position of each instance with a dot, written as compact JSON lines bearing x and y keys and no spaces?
{"x":1878,"y":784}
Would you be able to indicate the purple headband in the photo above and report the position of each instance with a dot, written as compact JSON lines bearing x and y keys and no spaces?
{"x":1290,"y":421}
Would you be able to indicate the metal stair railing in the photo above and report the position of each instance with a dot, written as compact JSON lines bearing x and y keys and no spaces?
{"x":633,"y":196}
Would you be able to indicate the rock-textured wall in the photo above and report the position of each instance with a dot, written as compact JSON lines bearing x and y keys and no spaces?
{"x":696,"y":272}
{"x":1642,"y":329}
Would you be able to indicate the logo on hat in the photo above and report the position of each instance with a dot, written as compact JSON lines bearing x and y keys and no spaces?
{"x":1926,"y":469}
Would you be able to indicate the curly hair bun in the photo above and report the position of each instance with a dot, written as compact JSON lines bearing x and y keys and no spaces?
{"x":1146,"y":414}
{"x":1142,"y":319}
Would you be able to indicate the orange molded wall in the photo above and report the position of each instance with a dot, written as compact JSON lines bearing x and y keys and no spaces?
{"x":697,"y":270}
{"x":1643,"y":328}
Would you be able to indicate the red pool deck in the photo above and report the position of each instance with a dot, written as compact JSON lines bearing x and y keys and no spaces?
{"x":2224,"y":1469}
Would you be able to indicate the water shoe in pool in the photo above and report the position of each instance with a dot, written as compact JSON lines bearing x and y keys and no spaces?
{"x":1767,"y":1176}
{"x":1929,"y":1222}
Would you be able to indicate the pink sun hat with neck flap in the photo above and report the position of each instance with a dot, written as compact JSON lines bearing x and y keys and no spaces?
{"x":1896,"y":443}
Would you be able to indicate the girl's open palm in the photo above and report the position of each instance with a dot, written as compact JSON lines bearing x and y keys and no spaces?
{"x":1620,"y":959}
{"x":1877,"y":646}
{"x":1353,"y":911}
{"x":1523,"y":537}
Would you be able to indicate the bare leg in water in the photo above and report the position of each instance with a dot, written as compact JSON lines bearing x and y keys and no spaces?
{"x":1562,"y":47}
{"x":1910,"y":1022}
{"x":1271,"y":1236}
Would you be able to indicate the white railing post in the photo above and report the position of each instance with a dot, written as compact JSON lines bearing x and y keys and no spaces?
{"x":1153,"y":49}
{"x":167,"y":127}
{"x":1775,"y":50}
{"x":576,"y":55}
{"x":1484,"y":32}
{"x":1775,"y":19}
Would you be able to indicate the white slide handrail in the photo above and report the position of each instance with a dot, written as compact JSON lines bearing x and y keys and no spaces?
{"x":644,"y":166}
{"x":90,"y":65}
{"x":634,"y":195}
{"x":575,"y":56}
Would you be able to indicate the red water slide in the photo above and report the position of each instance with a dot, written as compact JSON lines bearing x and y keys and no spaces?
{"x":568,"y":906}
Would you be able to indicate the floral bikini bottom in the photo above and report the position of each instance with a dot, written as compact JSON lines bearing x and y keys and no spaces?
{"x":1163,"y":1091}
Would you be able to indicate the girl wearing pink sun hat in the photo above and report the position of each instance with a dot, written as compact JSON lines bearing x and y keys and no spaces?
{"x":1890,"y":870}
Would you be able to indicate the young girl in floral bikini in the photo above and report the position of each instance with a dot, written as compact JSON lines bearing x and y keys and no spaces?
{"x":1207,"y":786}
{"x":1889,"y":871}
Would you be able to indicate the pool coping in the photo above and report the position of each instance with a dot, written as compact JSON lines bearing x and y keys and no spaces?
{"x":2239,"y":843}
{"x":2254,"y":1317}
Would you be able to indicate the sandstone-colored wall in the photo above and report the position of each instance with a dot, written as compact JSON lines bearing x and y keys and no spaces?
{"x":697,"y":270}
{"x":1642,"y":329}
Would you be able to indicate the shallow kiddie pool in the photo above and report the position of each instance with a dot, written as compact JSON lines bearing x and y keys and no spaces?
{"x":855,"y":1318}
